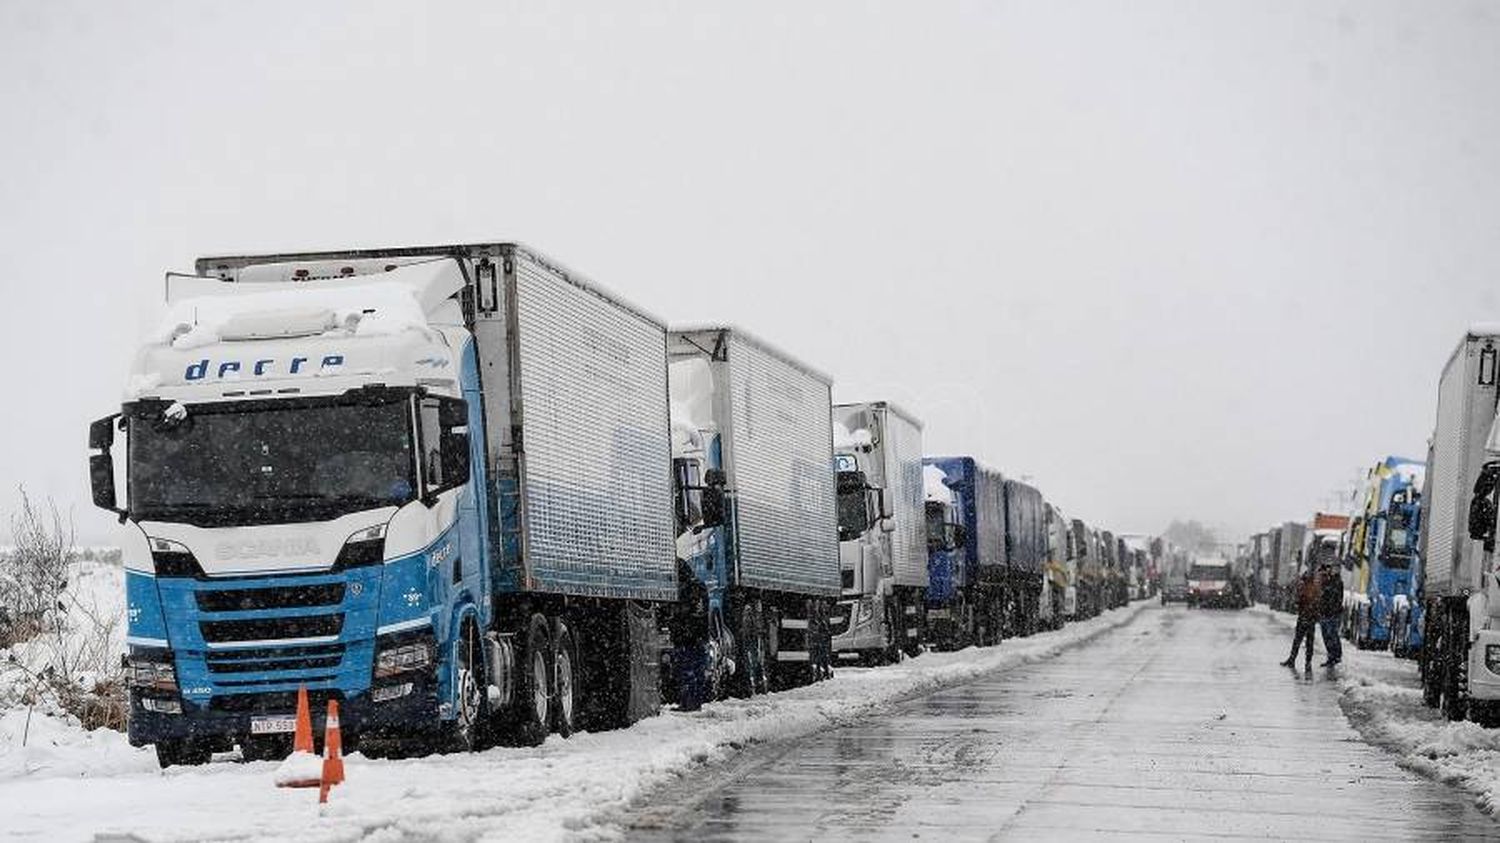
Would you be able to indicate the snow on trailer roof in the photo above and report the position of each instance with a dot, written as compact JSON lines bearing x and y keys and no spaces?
{"x":679,"y":330}
{"x":876,"y":405}
{"x":228,"y":267}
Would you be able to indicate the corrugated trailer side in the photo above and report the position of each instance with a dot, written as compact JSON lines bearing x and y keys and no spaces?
{"x":590,"y":402}
{"x":904,"y":491}
{"x":778,"y":452}
{"x":1466,"y":407}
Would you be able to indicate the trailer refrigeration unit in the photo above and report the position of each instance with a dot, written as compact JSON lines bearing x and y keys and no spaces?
{"x":431,"y":483}
{"x":756,"y":531}
{"x":1026,"y":558}
{"x":1460,"y":657}
{"x":881,"y":529}
{"x":966,"y":553}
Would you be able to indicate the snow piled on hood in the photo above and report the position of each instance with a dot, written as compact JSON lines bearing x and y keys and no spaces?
{"x":565,"y":789}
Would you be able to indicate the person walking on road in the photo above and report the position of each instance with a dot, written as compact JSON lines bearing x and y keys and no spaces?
{"x":1308,"y":594}
{"x":1330,"y":611}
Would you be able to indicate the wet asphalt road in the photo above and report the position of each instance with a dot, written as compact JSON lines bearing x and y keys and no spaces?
{"x":1179,"y":725}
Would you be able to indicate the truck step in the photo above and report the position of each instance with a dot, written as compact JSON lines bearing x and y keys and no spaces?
{"x":793,"y":623}
{"x":792,"y":656}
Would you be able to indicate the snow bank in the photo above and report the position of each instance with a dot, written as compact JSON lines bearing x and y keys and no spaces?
{"x":844,"y":438}
{"x":564,"y":789}
{"x":43,"y":740}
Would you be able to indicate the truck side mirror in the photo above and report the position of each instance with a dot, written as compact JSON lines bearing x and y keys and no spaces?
{"x":1482,"y":505}
{"x":102,"y":465}
{"x":886,"y":513}
{"x":960,"y":536}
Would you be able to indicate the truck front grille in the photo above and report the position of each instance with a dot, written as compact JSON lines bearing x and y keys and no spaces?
{"x":279,"y":597}
{"x":272,"y":629}
{"x":271,"y":703}
{"x":264,"y":659}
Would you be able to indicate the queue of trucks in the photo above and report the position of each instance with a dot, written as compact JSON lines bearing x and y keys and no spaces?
{"x":1417,"y":551}
{"x":474,"y":497}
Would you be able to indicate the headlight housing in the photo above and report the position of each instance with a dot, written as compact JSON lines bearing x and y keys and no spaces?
{"x":152,"y":675}
{"x":403,"y":658}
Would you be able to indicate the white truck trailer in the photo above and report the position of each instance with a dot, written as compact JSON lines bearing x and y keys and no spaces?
{"x":1460,"y":656}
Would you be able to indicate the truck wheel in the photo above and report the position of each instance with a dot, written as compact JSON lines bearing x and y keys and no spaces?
{"x":533,"y":708}
{"x":565,"y":678}
{"x":184,"y":752}
{"x":468,"y":698}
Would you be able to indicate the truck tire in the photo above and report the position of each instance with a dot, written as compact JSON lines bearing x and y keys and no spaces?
{"x":532,"y":714}
{"x":469,"y":709}
{"x":1455,"y":669}
{"x":1429,"y":666}
{"x":565,"y":679}
{"x":182,"y":752}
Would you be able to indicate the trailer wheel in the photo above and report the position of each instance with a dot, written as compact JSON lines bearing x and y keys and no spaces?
{"x":184,"y":752}
{"x":1428,"y":667}
{"x":565,"y":678}
{"x":1455,"y":668}
{"x":533,"y":707}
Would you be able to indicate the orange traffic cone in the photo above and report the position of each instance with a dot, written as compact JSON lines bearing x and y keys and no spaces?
{"x":300,"y":769}
{"x":333,"y":753}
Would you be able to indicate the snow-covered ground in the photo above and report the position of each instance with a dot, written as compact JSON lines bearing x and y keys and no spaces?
{"x":1382,"y":696}
{"x":563,"y":789}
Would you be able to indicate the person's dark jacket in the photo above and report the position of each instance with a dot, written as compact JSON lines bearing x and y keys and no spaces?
{"x":1331,"y":601}
{"x":1308,"y":598}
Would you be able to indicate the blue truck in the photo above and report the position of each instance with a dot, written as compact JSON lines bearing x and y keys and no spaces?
{"x":431,"y":483}
{"x":757,"y":537}
{"x":1383,"y":548}
{"x":965,"y":553}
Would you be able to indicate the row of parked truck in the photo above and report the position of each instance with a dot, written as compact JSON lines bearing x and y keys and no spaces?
{"x":473,"y":496}
{"x":1417,"y":552}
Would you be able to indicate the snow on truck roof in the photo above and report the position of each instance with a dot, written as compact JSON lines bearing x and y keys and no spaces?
{"x":202,"y":311}
{"x":935,"y":485}
{"x":876,"y":405}
{"x":679,"y":331}
{"x":233,"y":267}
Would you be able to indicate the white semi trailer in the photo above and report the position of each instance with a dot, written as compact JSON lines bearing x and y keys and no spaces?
{"x":1460,"y":657}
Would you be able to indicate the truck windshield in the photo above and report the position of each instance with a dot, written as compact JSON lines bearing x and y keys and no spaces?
{"x":853,"y":505}
{"x":937,"y":526}
{"x":1208,"y":572}
{"x":272,"y":461}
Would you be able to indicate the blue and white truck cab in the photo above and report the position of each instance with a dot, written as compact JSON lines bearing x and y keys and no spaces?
{"x":403,"y":479}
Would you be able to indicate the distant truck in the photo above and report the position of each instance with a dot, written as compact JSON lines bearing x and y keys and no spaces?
{"x":431,"y":483}
{"x":1288,"y":542}
{"x":966,"y":552}
{"x":881,"y":530}
{"x":1025,"y":559}
{"x":1382,"y":548}
{"x":1090,"y":570}
{"x":756,"y":534}
{"x":1062,"y":567}
{"x":1460,"y":657}
{"x":1209,"y":585}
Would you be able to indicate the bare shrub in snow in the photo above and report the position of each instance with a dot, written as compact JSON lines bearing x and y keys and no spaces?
{"x":61,"y":651}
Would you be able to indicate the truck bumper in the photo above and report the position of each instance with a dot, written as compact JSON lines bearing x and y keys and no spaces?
{"x":411,"y":713}
{"x":863,"y":633}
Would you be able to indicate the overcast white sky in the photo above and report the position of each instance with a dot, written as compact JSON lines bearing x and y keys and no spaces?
{"x":1168,"y":259}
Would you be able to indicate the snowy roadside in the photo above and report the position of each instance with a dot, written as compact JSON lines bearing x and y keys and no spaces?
{"x":37,"y":736}
{"x":563,"y":789}
{"x":1382,"y":697}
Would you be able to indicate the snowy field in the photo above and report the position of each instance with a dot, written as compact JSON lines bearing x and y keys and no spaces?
{"x":1382,"y":696}
{"x":68,"y":784}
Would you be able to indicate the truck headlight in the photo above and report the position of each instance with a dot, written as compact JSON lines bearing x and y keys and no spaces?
{"x":158,"y":676}
{"x":1492,"y":657}
{"x":406,"y":657}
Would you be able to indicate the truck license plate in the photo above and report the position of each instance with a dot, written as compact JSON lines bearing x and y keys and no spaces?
{"x":272,"y":725}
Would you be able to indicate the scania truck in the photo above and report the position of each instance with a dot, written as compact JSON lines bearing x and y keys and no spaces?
{"x":881,"y":530}
{"x":756,"y":532}
{"x":432,"y":483}
{"x":966,"y":553}
{"x":1460,"y":658}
